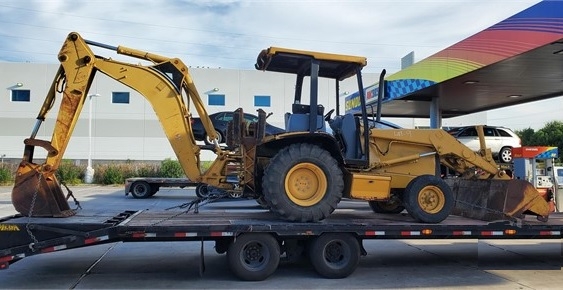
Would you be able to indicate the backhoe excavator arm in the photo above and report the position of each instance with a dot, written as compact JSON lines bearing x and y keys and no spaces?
{"x":165,"y":85}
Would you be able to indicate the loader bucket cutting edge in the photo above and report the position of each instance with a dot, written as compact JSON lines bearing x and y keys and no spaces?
{"x":495,"y":199}
{"x":38,"y":194}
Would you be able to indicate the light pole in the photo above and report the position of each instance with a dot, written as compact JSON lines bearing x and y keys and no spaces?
{"x":89,"y":174}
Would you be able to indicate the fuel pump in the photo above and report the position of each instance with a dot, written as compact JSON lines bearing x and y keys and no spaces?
{"x":535,"y":164}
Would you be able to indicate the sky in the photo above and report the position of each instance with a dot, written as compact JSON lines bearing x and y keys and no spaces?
{"x":230,"y":33}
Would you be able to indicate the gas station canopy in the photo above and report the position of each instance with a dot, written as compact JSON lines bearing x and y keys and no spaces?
{"x":515,"y":61}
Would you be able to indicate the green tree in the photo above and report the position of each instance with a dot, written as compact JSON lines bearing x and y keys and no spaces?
{"x":526,"y":136}
{"x":550,"y":135}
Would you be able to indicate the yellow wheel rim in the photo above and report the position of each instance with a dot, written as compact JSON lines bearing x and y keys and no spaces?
{"x":431,"y":199}
{"x":305,"y":184}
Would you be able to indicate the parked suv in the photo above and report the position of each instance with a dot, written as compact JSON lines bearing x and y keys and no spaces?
{"x":500,"y":140}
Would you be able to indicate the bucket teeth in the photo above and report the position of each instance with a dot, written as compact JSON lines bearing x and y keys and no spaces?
{"x":38,"y":194}
{"x":497,"y":199}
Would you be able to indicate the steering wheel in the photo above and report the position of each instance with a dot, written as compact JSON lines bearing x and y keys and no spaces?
{"x":327,"y":115}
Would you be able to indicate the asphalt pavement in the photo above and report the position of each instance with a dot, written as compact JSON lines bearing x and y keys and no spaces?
{"x":390,"y":264}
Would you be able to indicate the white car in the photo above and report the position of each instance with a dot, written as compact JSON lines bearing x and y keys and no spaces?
{"x":500,"y":140}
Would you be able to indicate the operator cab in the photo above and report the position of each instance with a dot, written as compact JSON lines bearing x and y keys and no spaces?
{"x":309,"y":116}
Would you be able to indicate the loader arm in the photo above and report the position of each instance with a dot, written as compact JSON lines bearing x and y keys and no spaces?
{"x":451,"y":152}
{"x":165,"y":85}
{"x":482,"y":190}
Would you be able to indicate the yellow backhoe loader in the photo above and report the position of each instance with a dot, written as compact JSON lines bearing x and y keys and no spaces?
{"x":302,"y":174}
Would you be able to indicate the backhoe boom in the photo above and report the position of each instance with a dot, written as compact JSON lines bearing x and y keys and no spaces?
{"x":167,"y":86}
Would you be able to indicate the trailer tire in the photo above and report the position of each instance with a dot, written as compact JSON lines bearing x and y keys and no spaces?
{"x":141,"y":189}
{"x":428,"y":199}
{"x":202,"y":190}
{"x":335,"y":255}
{"x":303,"y":182}
{"x":254,"y":257}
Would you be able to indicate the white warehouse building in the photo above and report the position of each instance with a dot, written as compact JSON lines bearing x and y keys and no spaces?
{"x":123,"y":124}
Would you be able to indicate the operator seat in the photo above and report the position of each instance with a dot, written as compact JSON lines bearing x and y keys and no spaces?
{"x":351,"y":137}
{"x":299,"y":119}
{"x":345,"y":129}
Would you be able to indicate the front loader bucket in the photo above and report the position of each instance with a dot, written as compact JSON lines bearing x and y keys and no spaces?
{"x":38,"y":194}
{"x":497,"y":199}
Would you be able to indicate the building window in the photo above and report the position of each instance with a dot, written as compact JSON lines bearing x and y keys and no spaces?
{"x":21,"y":95}
{"x":261,"y":101}
{"x":120,"y":97}
{"x":216,"y":100}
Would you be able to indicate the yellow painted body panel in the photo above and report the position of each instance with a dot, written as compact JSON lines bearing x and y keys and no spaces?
{"x":370,"y":187}
{"x":320,"y":55}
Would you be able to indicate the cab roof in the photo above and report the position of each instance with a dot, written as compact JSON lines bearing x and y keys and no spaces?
{"x":334,"y":66}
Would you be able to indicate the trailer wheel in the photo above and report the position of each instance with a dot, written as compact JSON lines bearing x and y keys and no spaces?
{"x":202,"y":190}
{"x":335,"y":255}
{"x":428,"y":199}
{"x":141,"y":189}
{"x":303,"y":182}
{"x":254,"y":257}
{"x":386,"y":207}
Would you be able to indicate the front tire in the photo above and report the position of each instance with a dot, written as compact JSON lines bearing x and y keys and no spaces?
{"x":335,"y":255}
{"x":254,"y":257}
{"x":428,"y":199}
{"x":303,"y":182}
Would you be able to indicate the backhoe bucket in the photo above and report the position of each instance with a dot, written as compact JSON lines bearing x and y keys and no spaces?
{"x":495,"y":199}
{"x":38,"y":194}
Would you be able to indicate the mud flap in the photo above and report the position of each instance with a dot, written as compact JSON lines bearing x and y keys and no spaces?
{"x":495,"y":199}
{"x":38,"y":194}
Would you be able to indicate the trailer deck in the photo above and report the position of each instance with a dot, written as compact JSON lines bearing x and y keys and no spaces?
{"x":23,"y":236}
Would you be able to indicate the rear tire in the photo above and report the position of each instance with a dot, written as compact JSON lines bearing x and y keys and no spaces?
{"x":141,"y":189}
{"x":428,"y":199}
{"x":335,"y":255}
{"x":303,"y":182}
{"x":254,"y":257}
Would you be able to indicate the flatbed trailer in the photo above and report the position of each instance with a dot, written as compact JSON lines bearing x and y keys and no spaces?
{"x":254,"y":241}
{"x":145,"y":187}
